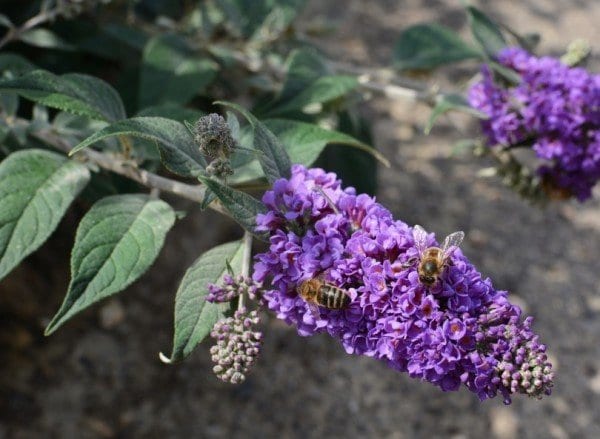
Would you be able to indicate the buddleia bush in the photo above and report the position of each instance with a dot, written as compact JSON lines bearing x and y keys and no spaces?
{"x":218,"y":101}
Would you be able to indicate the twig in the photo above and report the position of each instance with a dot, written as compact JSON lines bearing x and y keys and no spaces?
{"x":126,"y":169}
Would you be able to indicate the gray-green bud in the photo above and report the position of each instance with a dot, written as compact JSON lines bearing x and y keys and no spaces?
{"x":213,"y":136}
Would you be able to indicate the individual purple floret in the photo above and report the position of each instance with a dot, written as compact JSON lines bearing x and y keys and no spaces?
{"x":232,"y":288}
{"x":237,"y":345}
{"x":555,"y":108}
{"x":458,"y":331}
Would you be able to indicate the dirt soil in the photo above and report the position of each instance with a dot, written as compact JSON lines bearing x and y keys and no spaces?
{"x":100,"y":377}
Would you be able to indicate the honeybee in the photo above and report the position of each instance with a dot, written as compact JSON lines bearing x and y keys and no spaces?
{"x":433,"y":260}
{"x":317,"y":292}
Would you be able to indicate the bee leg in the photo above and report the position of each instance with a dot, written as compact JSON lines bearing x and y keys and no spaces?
{"x":409,"y":263}
{"x":314,"y":310}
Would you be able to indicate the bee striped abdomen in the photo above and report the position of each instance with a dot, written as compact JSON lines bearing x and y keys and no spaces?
{"x":332,"y":297}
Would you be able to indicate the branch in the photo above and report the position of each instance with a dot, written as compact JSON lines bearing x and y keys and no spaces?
{"x":246,"y":261}
{"x":191,"y":192}
{"x":15,"y":33}
{"x":388,"y":83}
{"x":379,"y":80}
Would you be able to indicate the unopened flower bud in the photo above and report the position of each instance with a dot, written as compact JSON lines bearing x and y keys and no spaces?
{"x":219,"y":168}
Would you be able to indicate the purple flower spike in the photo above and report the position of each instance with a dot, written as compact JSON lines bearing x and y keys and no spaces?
{"x":460,"y":330}
{"x":556,"y":108}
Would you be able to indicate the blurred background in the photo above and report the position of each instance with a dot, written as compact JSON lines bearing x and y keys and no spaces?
{"x":100,"y":376}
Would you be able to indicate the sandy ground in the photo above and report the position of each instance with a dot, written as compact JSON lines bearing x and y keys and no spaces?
{"x":99,"y":376}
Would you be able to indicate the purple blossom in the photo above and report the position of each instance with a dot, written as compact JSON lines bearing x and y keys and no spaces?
{"x":458,"y":331}
{"x":556,"y":108}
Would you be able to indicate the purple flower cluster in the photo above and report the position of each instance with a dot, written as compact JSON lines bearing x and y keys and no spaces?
{"x":459,"y":330}
{"x":554,"y":107}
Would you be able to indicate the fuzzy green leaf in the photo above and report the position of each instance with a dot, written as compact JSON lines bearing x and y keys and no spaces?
{"x":426,"y":46}
{"x":303,"y":67}
{"x":451,"y":102}
{"x":73,"y":92}
{"x":14,"y":63}
{"x":36,"y":188}
{"x":321,"y":91}
{"x":171,"y":72}
{"x":485,"y":31}
{"x":243,"y":207}
{"x":46,"y":39}
{"x":116,"y":242}
{"x":177,"y":149}
{"x":304,"y":142}
{"x":274,"y":159}
{"x":194,"y":316}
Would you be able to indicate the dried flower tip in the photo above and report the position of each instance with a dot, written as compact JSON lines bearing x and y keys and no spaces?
{"x":237,"y":345}
{"x":213,"y":136}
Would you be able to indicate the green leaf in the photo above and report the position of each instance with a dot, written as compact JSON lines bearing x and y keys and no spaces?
{"x":126,"y":35}
{"x":9,"y":104}
{"x":304,"y":142}
{"x":274,"y":160}
{"x":356,"y":168}
{"x":73,"y":92}
{"x":14,"y":63}
{"x":171,"y":72}
{"x":485,"y":31}
{"x":508,"y":74}
{"x":116,"y":242}
{"x":426,"y":46}
{"x":209,"y":197}
{"x":194,"y":316}
{"x":322,"y":90}
{"x":36,"y":188}
{"x":46,"y":39}
{"x":280,"y":17}
{"x":6,"y":22}
{"x":451,"y":102}
{"x":177,"y":149}
{"x":246,"y":18}
{"x":303,"y":67}
{"x":243,"y":207}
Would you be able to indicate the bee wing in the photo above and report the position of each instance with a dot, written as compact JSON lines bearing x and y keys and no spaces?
{"x":452,"y":242}
{"x":420,"y":236}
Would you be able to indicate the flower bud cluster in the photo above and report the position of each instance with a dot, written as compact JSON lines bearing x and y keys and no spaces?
{"x":232,"y":288}
{"x":457,"y":331}
{"x":554,"y":110}
{"x":237,"y":345}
